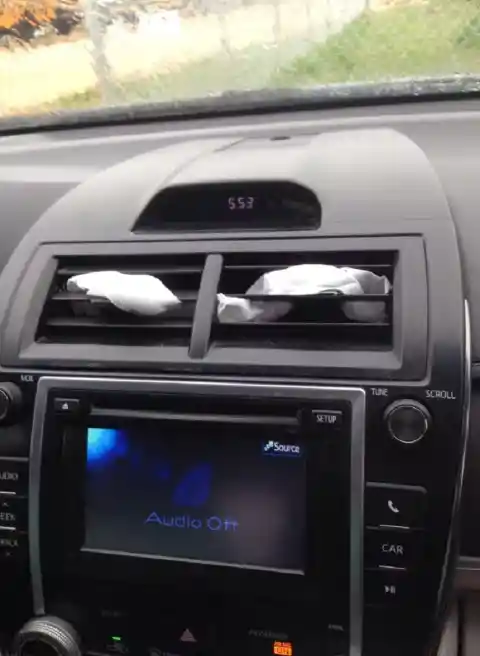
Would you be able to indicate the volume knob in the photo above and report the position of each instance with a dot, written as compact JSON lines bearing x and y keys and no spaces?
{"x":10,"y":401}
{"x":407,"y":421}
{"x":47,"y":636}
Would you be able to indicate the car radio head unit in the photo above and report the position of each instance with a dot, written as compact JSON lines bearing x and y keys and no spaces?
{"x":254,"y":488}
{"x":200,"y":492}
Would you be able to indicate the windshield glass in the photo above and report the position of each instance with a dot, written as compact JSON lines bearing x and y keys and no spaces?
{"x":78,"y":54}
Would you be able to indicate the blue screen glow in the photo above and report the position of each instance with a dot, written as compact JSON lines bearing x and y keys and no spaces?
{"x":156,"y":488}
{"x":193,"y":489}
{"x":105,"y":445}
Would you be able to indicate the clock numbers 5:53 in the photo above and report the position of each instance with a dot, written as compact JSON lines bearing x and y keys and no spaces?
{"x":241,"y":202}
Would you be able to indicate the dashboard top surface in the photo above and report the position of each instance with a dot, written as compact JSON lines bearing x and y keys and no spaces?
{"x":37,"y":169}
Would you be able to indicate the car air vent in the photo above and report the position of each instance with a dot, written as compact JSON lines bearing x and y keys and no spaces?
{"x":315,"y":322}
{"x":69,"y":318}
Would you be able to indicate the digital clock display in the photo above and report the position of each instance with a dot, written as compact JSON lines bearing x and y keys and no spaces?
{"x":228,"y":206}
{"x":241,"y":203}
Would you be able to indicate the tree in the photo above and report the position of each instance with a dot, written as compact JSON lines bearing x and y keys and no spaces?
{"x":35,"y":12}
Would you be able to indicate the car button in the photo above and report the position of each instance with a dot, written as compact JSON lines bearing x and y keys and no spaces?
{"x":395,"y":505}
{"x":391,"y":548}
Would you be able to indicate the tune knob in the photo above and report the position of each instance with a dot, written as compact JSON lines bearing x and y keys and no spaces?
{"x":47,"y":636}
{"x":10,"y":400}
{"x":407,"y":421}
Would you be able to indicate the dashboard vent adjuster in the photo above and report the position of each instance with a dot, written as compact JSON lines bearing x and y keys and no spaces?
{"x":69,"y":318}
{"x":315,"y":322}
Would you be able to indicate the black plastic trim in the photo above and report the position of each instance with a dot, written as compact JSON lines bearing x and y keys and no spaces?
{"x":206,"y":304}
{"x":406,"y":361}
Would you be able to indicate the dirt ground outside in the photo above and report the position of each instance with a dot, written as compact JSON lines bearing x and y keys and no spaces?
{"x":165,"y":42}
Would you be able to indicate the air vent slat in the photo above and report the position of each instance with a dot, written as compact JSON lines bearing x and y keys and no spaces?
{"x":277,"y":326}
{"x":74,"y":318}
{"x":139,"y":269}
{"x":68,"y":297}
{"x":318,"y":299}
{"x":279,"y":265}
{"x":146,"y":324}
{"x":312,"y":322}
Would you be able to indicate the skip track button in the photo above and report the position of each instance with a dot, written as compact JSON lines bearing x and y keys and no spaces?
{"x":13,"y":547}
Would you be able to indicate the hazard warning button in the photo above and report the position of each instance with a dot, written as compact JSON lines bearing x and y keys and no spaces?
{"x":187,"y":636}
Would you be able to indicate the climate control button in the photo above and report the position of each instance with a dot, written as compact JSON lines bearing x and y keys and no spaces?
{"x":47,"y":636}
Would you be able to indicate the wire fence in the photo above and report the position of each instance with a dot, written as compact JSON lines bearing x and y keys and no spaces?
{"x":111,"y":51}
{"x":249,"y":39}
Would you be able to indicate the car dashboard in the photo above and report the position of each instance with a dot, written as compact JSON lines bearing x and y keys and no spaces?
{"x":226,"y":440}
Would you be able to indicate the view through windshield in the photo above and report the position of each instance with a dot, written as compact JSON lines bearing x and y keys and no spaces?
{"x":77,"y":54}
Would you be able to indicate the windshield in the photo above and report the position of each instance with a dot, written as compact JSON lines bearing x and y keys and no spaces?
{"x":77,"y":54}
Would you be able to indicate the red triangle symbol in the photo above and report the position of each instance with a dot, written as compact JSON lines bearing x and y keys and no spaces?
{"x":187,"y":636}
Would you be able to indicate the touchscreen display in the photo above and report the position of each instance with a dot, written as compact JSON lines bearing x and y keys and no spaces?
{"x":217,"y":494}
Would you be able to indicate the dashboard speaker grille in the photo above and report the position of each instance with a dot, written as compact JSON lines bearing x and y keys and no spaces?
{"x":73,"y":318}
{"x":314,"y":322}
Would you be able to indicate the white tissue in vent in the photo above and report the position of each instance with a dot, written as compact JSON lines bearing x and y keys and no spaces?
{"x":139,"y":294}
{"x":306,"y":280}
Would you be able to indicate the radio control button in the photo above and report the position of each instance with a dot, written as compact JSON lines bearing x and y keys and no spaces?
{"x":385,"y":587}
{"x":392,"y":505}
{"x":13,"y":477}
{"x":67,"y":406}
{"x":325,"y":419}
{"x":407,"y":421}
{"x":390,"y":548}
{"x":13,"y":512}
{"x":10,"y":400}
{"x":13,"y":547}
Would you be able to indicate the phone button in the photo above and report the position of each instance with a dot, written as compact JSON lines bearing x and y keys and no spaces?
{"x":395,"y":505}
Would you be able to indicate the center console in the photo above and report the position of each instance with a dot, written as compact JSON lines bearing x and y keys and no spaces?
{"x":195,"y":516}
{"x":170,"y":493}
{"x":177,"y":485}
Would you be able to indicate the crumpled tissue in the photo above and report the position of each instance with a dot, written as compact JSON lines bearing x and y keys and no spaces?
{"x":306,"y":280}
{"x":139,"y":294}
